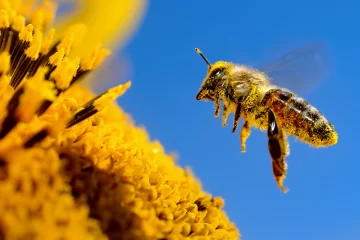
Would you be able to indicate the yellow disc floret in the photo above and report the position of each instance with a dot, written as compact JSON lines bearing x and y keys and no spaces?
{"x":72,"y":164}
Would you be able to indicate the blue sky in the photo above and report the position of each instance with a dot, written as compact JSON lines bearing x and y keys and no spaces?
{"x":323,"y":201}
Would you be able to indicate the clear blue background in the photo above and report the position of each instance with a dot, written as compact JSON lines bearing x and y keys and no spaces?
{"x":323,"y":201}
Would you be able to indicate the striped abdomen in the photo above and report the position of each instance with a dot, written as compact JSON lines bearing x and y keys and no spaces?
{"x":298,"y":117}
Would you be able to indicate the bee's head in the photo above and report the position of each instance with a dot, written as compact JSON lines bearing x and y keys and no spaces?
{"x":214,"y":80}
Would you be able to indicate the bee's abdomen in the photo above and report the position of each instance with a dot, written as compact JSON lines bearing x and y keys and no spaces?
{"x":300,"y":118}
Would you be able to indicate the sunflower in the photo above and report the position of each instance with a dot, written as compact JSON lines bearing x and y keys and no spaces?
{"x":73,"y":165}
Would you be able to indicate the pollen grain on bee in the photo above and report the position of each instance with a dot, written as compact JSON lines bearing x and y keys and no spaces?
{"x":250,"y":94}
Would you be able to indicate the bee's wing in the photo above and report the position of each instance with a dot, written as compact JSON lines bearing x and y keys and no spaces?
{"x":302,"y":69}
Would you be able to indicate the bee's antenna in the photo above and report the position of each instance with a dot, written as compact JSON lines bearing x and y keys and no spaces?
{"x":202,"y":55}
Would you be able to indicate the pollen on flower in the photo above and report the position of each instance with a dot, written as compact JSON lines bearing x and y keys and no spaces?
{"x":73,"y":165}
{"x":4,"y":62}
{"x":94,"y":58}
{"x":36,"y":89}
{"x":66,"y":43}
{"x":65,"y":72}
{"x":26,"y":33}
{"x":18,"y":24}
{"x":38,"y":68}
{"x":110,"y":95}
{"x":44,"y":15}
{"x":35,"y":46}
{"x":4,"y":19}
{"x":57,"y":57}
{"x":74,"y":35}
{"x":46,"y":43}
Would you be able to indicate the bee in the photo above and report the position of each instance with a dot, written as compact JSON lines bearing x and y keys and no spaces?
{"x":249,"y":93}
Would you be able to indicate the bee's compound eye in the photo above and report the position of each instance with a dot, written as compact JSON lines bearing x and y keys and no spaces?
{"x":219,"y":74}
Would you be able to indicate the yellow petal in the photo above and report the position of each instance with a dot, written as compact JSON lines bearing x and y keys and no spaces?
{"x":108,"y":22}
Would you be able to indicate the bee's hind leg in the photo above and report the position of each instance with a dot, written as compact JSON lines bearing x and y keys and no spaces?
{"x":277,"y":145}
{"x":244,"y":134}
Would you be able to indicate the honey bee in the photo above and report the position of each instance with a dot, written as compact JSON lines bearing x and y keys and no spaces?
{"x":250,"y":94}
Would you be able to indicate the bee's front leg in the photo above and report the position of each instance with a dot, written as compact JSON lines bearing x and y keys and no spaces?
{"x":277,"y":145}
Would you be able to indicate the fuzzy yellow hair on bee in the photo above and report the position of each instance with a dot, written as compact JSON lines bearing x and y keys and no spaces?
{"x":249,"y":94}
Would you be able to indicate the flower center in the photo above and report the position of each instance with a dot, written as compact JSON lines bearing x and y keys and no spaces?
{"x":36,"y":69}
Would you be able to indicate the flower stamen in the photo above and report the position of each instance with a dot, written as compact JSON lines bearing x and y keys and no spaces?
{"x":39,"y":71}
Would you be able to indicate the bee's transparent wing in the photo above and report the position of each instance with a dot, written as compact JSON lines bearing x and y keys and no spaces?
{"x":302,"y":69}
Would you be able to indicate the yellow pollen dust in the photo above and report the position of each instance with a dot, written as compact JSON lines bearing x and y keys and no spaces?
{"x":4,"y":19}
{"x":36,"y":90}
{"x":57,"y":57}
{"x":5,"y":88}
{"x":94,"y":58}
{"x":22,"y":7}
{"x":35,"y":46}
{"x":4,"y":62}
{"x":66,"y":44}
{"x":47,"y":41}
{"x":103,"y":53}
{"x":27,"y":33}
{"x":19,"y":23}
{"x":111,"y":95}
{"x":12,"y":15}
{"x":65,"y":72}
{"x":73,"y":36}
{"x":43,"y":16}
{"x":38,"y":83}
{"x":77,"y":33}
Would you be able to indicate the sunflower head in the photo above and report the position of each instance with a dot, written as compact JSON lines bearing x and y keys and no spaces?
{"x":73,"y":165}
